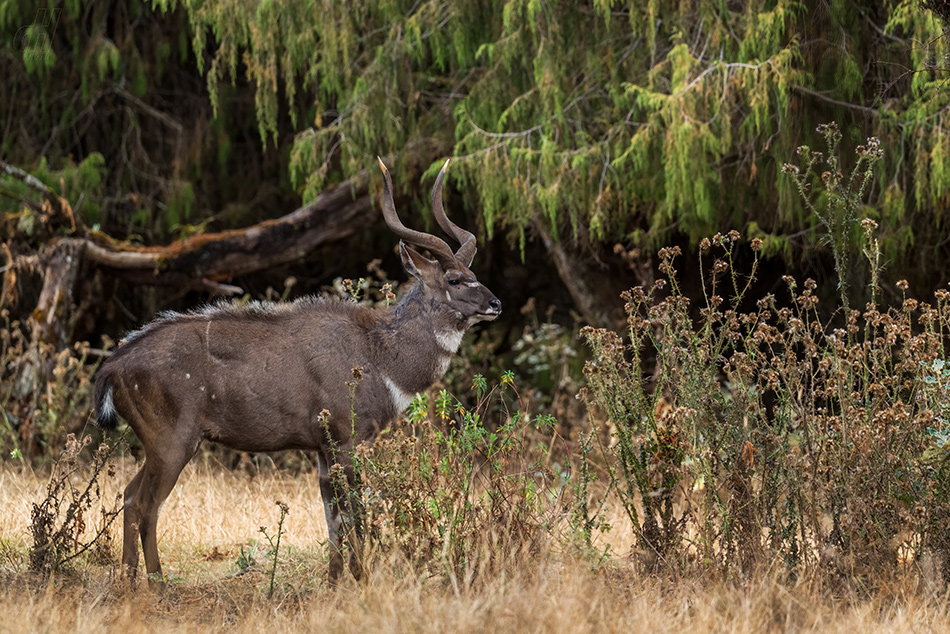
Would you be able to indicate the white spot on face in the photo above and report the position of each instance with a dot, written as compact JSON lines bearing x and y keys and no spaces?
{"x":448,"y":297}
{"x":202,"y":388}
{"x":136,"y":386}
{"x":473,"y":284}
{"x":449,"y":340}
{"x":187,"y":375}
{"x":474,"y":319}
{"x":401,"y":398}
{"x":212,"y":397}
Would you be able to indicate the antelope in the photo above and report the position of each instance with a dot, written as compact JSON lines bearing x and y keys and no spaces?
{"x":268,"y":377}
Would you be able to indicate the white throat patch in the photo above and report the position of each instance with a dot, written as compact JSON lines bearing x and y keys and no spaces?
{"x":449,"y":340}
{"x":401,"y":398}
{"x":443,"y":366}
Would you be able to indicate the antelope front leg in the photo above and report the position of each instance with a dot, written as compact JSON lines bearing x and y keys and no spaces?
{"x":341,"y":521}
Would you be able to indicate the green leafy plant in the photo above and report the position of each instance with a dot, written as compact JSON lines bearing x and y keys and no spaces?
{"x":247,"y":558}
{"x":458,"y":492}
{"x":274,"y":542}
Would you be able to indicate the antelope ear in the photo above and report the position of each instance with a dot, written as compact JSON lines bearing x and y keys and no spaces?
{"x":417,"y":265}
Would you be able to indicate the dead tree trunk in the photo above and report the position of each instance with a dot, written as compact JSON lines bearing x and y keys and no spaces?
{"x":592,"y":291}
{"x":210,"y":261}
{"x":52,"y":317}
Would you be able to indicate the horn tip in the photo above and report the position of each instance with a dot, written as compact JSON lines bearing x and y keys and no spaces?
{"x":382,"y":165}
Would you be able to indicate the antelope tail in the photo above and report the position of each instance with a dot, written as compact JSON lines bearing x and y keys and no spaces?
{"x":106,"y":416}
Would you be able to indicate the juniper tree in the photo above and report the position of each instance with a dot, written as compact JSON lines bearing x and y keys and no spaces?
{"x":605,"y":120}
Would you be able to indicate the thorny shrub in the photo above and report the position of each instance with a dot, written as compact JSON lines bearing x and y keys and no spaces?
{"x":835,"y":198}
{"x":776,"y":434}
{"x":64,"y":524}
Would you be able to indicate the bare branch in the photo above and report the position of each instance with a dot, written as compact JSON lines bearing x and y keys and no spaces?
{"x":844,"y":104}
{"x":207,"y":261}
{"x":28,"y":179}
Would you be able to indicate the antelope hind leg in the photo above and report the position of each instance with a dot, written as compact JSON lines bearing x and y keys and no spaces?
{"x":131,"y":523}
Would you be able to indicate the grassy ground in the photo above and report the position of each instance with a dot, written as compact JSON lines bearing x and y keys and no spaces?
{"x":212,"y":547}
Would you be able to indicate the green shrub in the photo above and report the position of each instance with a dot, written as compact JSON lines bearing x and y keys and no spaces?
{"x":459,"y":495}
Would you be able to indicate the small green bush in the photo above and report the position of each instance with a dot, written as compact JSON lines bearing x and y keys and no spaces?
{"x":453,"y":493}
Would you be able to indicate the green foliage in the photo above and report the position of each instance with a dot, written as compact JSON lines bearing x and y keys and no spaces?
{"x":464,"y":493}
{"x":107,"y":59}
{"x":608,"y":121}
{"x":589,"y":164}
{"x":180,"y":208}
{"x":559,"y":114}
{"x":103,"y":79}
{"x":81,"y":185}
{"x":38,"y":54}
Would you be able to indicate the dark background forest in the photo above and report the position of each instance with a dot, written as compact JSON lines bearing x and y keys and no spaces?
{"x":157,"y":155}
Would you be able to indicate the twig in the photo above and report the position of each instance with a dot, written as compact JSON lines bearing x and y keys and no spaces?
{"x":843,"y":104}
{"x":31,"y":181}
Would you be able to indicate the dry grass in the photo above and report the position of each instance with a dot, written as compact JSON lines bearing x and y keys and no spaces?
{"x":213,"y":513}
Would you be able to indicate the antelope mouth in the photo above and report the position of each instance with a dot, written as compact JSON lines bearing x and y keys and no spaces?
{"x":490,"y":315}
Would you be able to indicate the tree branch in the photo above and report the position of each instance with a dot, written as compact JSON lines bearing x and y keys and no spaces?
{"x":844,"y":104}
{"x":205,"y":261}
{"x":31,"y":181}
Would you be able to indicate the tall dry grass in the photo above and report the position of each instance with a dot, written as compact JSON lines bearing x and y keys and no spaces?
{"x":214,"y":514}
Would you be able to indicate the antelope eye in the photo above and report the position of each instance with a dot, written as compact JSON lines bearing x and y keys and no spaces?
{"x":453,"y":282}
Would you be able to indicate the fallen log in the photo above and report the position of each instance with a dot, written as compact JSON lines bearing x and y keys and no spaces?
{"x":209,"y":261}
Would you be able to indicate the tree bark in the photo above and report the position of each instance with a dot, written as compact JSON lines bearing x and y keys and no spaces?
{"x":590,"y":290}
{"x":51,"y":317}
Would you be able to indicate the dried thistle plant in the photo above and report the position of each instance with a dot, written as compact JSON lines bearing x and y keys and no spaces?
{"x":788,"y":432}
{"x":59,"y":520}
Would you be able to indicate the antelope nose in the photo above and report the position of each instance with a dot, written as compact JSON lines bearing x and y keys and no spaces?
{"x":495,"y":305}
